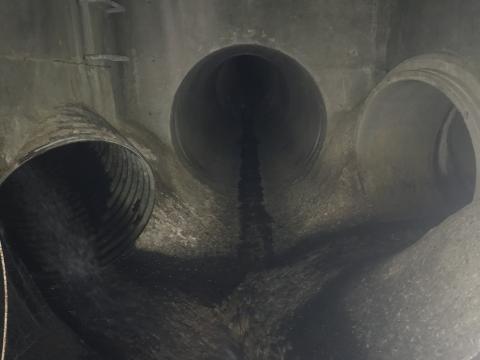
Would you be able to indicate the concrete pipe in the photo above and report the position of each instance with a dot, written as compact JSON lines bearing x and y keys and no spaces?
{"x":289,"y":115}
{"x":418,"y":140}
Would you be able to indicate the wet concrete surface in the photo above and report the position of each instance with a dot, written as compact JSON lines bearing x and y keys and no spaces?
{"x":256,"y":237}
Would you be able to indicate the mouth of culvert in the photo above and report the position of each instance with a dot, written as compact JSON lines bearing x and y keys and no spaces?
{"x":416,"y":153}
{"x":76,"y":208}
{"x":290,"y":116}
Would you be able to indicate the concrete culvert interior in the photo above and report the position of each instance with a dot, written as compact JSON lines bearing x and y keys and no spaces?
{"x":240,"y":180}
{"x":278,"y":92}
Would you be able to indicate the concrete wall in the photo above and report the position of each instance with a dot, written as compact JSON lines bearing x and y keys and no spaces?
{"x":42,"y":66}
{"x":433,"y":26}
{"x":336,"y":41}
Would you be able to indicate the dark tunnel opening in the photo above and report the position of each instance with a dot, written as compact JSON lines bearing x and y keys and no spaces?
{"x":75,"y":207}
{"x":290,"y":117}
{"x":68,"y":215}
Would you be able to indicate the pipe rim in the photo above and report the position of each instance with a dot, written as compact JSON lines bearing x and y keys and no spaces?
{"x":219,"y":56}
{"x":86,"y":127}
{"x":447,"y":74}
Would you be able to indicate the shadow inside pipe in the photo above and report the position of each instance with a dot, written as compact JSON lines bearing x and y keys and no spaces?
{"x":134,"y":309}
{"x":148,"y":306}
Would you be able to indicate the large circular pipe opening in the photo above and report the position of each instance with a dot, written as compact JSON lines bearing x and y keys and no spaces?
{"x":263,"y":84}
{"x":415,"y":151}
{"x":76,"y":207}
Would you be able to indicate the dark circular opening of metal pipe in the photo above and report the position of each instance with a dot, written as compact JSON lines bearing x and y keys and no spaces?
{"x":76,"y":207}
{"x":289,"y":116}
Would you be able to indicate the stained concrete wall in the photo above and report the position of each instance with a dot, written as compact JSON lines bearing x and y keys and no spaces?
{"x":42,"y":66}
{"x":339,"y":42}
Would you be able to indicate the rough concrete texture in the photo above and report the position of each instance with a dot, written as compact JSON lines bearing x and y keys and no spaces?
{"x":167,"y":38}
{"x":338,"y":283}
{"x":43,"y":66}
{"x":421,"y":303}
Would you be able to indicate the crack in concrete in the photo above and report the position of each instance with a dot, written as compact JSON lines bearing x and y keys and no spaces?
{"x":46,"y":60}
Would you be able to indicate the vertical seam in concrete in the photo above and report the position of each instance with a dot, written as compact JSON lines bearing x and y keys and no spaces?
{"x":77,"y":29}
{"x":381,"y":28}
